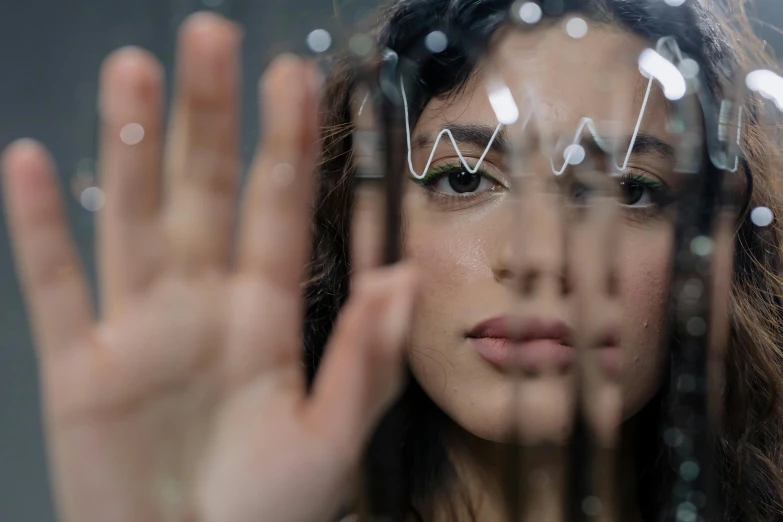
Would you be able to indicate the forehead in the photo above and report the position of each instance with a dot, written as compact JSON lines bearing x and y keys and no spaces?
{"x":595,"y":76}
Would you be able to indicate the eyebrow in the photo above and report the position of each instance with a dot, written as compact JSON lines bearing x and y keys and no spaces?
{"x":480,"y":135}
{"x":645,"y":144}
{"x":473,"y":134}
{"x":651,"y":144}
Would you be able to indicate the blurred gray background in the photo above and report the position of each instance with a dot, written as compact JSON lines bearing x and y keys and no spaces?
{"x":50,"y":52}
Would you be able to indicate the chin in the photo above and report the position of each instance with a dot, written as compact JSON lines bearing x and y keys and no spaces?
{"x":532,"y":410}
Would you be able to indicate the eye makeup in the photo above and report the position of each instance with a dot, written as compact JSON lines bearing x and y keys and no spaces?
{"x":451,"y":187}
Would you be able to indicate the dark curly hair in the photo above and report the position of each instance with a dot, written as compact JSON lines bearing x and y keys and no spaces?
{"x":749,"y":452}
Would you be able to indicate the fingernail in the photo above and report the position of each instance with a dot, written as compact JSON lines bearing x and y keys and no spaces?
{"x":209,"y":45}
{"x":211,"y":19}
{"x":131,"y":80}
{"x":22,"y":149}
{"x":282,"y":94}
{"x":28,"y":162}
{"x":20,"y":153}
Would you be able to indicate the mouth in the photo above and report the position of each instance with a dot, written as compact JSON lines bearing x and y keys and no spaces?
{"x":536,"y":345}
{"x":532,"y":344}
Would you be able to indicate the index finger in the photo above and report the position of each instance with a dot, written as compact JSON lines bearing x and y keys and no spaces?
{"x":274,"y":236}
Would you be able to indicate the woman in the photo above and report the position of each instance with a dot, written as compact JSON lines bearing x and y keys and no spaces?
{"x":185,"y":398}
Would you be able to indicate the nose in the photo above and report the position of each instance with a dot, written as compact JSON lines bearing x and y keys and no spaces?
{"x":531,"y":257}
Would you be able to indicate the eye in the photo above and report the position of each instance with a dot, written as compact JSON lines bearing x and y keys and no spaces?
{"x":458,"y":181}
{"x":633,"y":193}
{"x":640,"y":191}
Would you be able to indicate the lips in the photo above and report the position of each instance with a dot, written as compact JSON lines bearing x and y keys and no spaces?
{"x":522,"y":330}
{"x":537,"y":344}
{"x":528,"y":344}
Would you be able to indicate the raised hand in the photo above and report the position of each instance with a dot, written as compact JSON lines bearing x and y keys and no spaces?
{"x":183,"y":398}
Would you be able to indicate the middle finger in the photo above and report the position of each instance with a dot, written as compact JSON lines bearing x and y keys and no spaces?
{"x":202,"y":157}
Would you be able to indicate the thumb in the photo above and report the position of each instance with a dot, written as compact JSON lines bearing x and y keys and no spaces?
{"x":362,"y":370}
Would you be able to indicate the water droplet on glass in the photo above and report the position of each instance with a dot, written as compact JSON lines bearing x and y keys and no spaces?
{"x":696,"y":326}
{"x":436,"y":42}
{"x":673,"y":437}
{"x":675,"y":3}
{"x":576,"y":27}
{"x":319,"y":40}
{"x":675,"y":125}
{"x":686,"y":516}
{"x":530,"y":13}
{"x":689,"y":470}
{"x":132,"y":134}
{"x":360,"y":44}
{"x":685,"y":447}
{"x":574,"y":154}
{"x":591,"y":506}
{"x":92,"y":198}
{"x":701,"y":246}
{"x":83,"y":178}
{"x":692,"y":289}
{"x":686,"y":383}
{"x":761,"y":216}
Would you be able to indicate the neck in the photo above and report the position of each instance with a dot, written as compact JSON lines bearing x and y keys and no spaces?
{"x":496,"y":489}
{"x":486,"y":474}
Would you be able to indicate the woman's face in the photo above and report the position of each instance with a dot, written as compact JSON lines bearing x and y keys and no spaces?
{"x":488,"y":253}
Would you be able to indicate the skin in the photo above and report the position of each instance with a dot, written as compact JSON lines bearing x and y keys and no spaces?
{"x":184,"y":398}
{"x":466,"y":248}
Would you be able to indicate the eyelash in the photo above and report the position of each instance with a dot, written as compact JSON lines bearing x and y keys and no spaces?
{"x":449,"y":201}
{"x":661,"y":195}
{"x":658,"y":192}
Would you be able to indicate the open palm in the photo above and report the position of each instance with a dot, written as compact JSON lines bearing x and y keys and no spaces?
{"x":184,"y":399}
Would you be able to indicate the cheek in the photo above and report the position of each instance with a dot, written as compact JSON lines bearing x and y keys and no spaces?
{"x":450,"y":260}
{"x":449,"y":255}
{"x":644,"y":278}
{"x":453,"y":256}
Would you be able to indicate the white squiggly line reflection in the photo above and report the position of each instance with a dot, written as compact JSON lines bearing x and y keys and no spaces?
{"x":585,"y":122}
